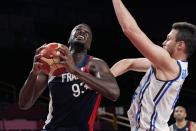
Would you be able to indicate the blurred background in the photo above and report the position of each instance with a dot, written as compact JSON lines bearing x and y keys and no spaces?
{"x":27,"y":24}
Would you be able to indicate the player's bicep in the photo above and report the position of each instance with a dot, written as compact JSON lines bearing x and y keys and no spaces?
{"x":193,"y":126}
{"x":121,"y":67}
{"x":156,"y":54}
{"x":100,"y":69}
{"x":138,"y":64}
{"x":171,"y":128}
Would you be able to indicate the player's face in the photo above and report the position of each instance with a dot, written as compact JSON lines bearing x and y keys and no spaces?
{"x":170,"y":43}
{"x":179,"y":113}
{"x":81,"y":34}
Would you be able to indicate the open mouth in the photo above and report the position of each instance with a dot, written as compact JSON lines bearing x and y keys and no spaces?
{"x":80,"y":37}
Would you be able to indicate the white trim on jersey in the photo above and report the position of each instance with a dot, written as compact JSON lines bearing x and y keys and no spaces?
{"x":51,"y":78}
{"x":49,"y":117}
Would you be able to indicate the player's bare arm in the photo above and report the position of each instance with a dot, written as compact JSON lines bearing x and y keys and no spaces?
{"x":34,"y":85}
{"x":170,"y":128}
{"x":193,"y":126}
{"x":125,"y":65}
{"x":158,"y":56}
{"x":101,"y":79}
{"x":103,"y":82}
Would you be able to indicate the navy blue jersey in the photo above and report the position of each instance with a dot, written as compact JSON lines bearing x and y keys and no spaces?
{"x":72,"y":103}
{"x":187,"y":127}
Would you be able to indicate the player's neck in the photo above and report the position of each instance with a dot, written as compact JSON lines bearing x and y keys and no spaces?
{"x":179,"y":56}
{"x":78,"y":57}
{"x":181,"y":124}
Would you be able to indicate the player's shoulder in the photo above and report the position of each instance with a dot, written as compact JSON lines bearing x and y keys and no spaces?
{"x":193,"y":122}
{"x":98,"y":64}
{"x":193,"y":125}
{"x":171,"y":127}
{"x":96,"y":61}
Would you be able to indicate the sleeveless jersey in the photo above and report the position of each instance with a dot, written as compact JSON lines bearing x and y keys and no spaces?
{"x":72,"y":104}
{"x":154,"y":100}
{"x":187,"y":127}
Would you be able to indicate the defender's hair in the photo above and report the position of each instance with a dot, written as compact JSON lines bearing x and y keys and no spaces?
{"x":186,"y":33}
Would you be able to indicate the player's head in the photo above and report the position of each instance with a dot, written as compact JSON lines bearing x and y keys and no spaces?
{"x":180,"y":113}
{"x":181,"y":38}
{"x":80,"y":37}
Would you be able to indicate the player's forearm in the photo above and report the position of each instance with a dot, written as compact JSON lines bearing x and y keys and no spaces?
{"x":120,"y":67}
{"x":125,"y":19}
{"x":125,"y":65}
{"x":193,"y":126}
{"x":108,"y":88}
{"x":27,"y":92}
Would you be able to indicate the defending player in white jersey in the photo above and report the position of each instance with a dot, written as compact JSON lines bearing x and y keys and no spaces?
{"x":166,"y":70}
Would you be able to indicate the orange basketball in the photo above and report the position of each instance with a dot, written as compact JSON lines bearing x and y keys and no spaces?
{"x":51,"y":65}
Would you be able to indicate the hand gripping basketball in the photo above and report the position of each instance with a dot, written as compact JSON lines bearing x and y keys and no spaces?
{"x":66,"y":58}
{"x":51,"y":61}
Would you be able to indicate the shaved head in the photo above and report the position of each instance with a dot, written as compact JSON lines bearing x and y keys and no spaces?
{"x":181,"y":107}
{"x":180,"y":113}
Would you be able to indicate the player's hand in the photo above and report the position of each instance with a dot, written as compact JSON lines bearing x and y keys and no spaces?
{"x":66,"y":58}
{"x":36,"y":64}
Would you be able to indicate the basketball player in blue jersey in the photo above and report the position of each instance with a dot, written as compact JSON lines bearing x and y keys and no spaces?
{"x":181,"y":123}
{"x":166,"y":70}
{"x":76,"y":94}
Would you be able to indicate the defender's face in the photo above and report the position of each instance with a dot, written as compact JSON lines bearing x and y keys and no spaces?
{"x":81,"y":34}
{"x":179,"y":113}
{"x":170,"y":43}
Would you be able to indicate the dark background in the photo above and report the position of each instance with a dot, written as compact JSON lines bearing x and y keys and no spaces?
{"x":27,"y":24}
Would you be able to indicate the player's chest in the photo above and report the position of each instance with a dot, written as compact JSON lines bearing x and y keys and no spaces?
{"x":67,"y":84}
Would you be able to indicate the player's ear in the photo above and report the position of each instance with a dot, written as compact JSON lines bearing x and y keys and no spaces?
{"x":180,"y":45}
{"x":69,"y":40}
{"x":89,"y":46}
{"x":89,"y":43}
{"x":68,"y":43}
{"x":185,"y":115}
{"x":174,"y":115}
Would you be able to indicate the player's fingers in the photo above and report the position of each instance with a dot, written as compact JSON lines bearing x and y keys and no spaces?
{"x":62,"y":51}
{"x":37,"y":65}
{"x":63,"y":57}
{"x":62,"y":62}
{"x":40,"y":48}
{"x":37,"y":57}
{"x":67,"y":52}
{"x":64,"y":46}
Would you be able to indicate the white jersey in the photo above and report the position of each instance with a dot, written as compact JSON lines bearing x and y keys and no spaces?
{"x":154,"y":101}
